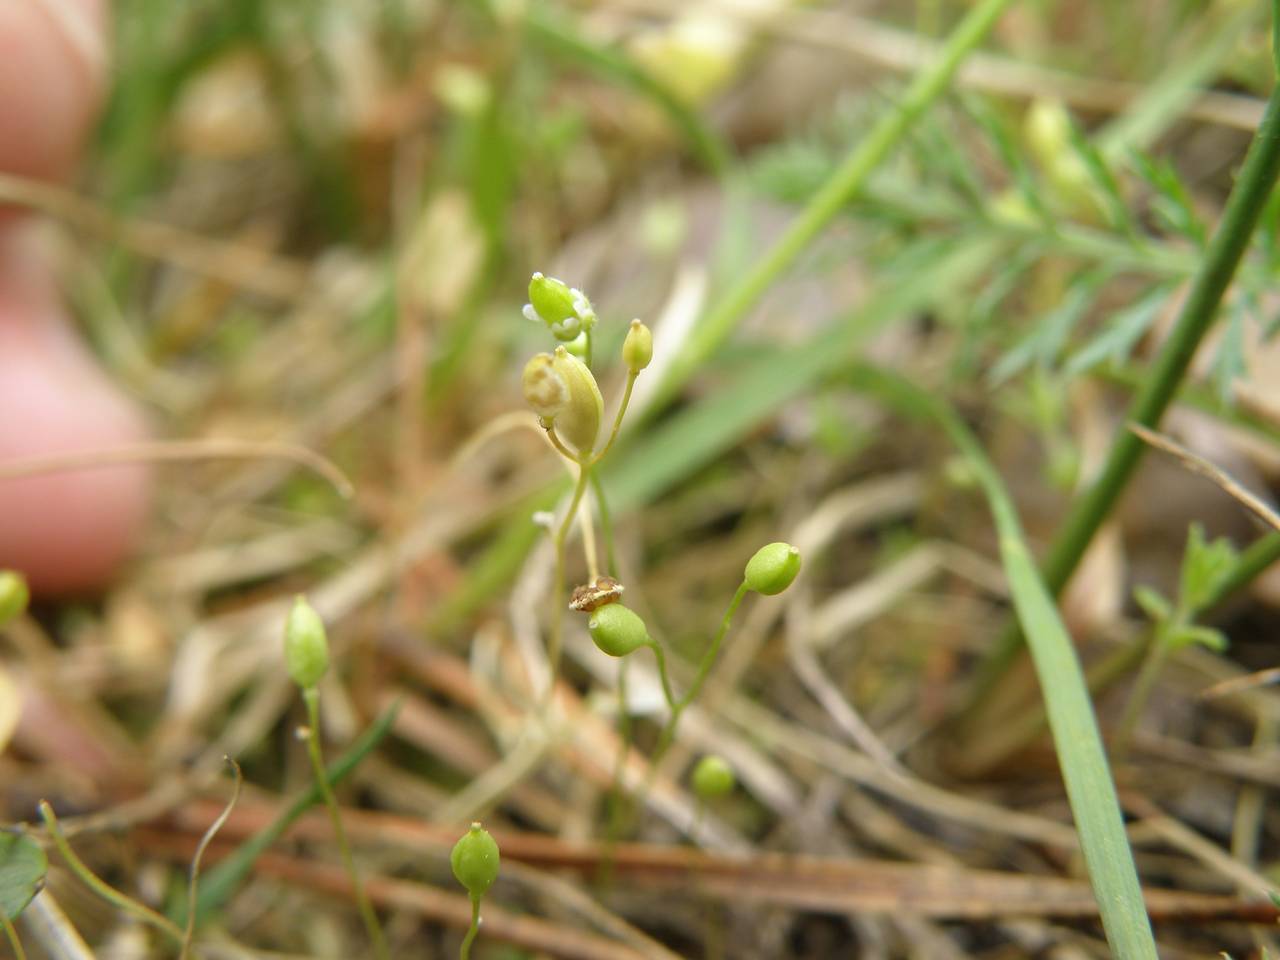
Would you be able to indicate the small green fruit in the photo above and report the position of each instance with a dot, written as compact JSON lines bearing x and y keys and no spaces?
{"x":617,"y":630}
{"x":306,"y":646}
{"x":475,"y":861}
{"x":713,"y":777}
{"x":772,"y":568}
{"x":637,"y":349}
{"x":14,"y":595}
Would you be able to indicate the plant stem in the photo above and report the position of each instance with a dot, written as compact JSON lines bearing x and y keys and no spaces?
{"x":665,"y":677}
{"x":555,"y":643}
{"x":189,"y":932}
{"x":1244,"y":207}
{"x":1152,"y":663}
{"x":12,"y":934}
{"x":668,"y":735}
{"x":311,"y":696}
{"x":617,"y":420}
{"x":99,"y":886}
{"x":845,"y":183}
{"x":472,"y":931}
{"x":559,"y":445}
{"x":606,"y":525}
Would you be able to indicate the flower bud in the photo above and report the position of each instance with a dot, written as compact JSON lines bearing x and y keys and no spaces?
{"x":14,"y":595}
{"x":772,"y":568}
{"x":564,"y":309}
{"x":617,"y":630}
{"x":306,"y":647}
{"x":475,"y":861}
{"x":637,"y":349}
{"x":713,"y":777}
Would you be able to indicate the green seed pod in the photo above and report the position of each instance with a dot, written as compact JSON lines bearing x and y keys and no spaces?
{"x":564,"y":394}
{"x":475,"y":861}
{"x":14,"y":595}
{"x":306,"y":647}
{"x":578,"y":423}
{"x":637,"y":349}
{"x":617,"y":630}
{"x":564,"y":309}
{"x":713,"y":777}
{"x":772,"y":568}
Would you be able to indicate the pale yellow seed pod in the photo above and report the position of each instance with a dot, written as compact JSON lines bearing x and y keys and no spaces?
{"x":545,"y":389}
{"x":578,"y":422}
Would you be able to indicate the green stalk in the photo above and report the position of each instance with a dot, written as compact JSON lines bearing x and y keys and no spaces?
{"x":668,"y":734}
{"x":116,"y":898}
{"x":311,"y":696}
{"x":844,"y":184}
{"x":1153,"y":662}
{"x":465,"y":952}
{"x":1244,"y":207}
{"x":12,"y":935}
{"x":555,"y":643}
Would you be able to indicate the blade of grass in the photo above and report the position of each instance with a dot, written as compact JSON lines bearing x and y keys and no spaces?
{"x":223,"y":879}
{"x":1244,"y":207}
{"x":844,"y":184}
{"x":1081,"y":756}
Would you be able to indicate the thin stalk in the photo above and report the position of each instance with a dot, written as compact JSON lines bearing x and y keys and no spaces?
{"x":1153,"y":662}
{"x":311,"y":696}
{"x":606,"y":525}
{"x":99,"y":886}
{"x":619,"y":815}
{"x":472,"y":931}
{"x":617,"y":420}
{"x":1222,"y":258}
{"x":844,"y":184}
{"x":559,"y":445}
{"x":555,"y":643}
{"x":12,"y":934}
{"x":668,"y":734}
{"x":665,"y":677}
{"x":189,"y":933}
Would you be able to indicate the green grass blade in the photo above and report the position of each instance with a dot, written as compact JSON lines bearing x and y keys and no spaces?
{"x":1081,"y":756}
